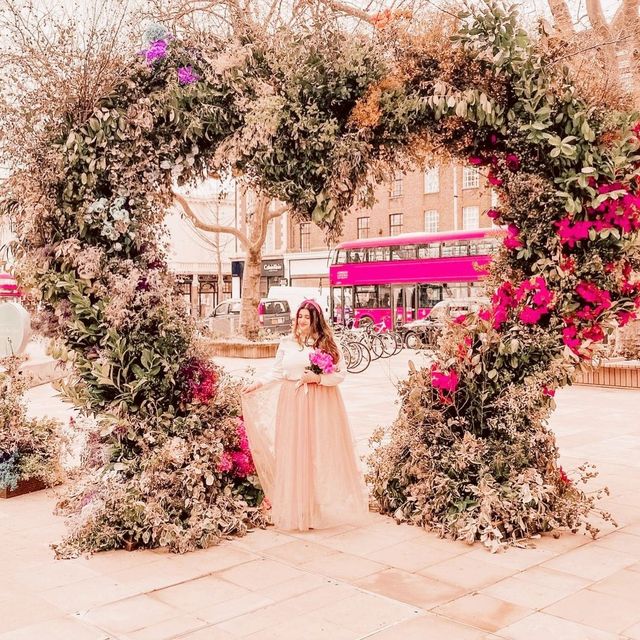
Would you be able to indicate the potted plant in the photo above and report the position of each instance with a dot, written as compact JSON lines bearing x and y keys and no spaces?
{"x":30,"y":448}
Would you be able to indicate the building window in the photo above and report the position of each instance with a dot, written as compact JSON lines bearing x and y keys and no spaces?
{"x":270,"y":240}
{"x":395,"y":224}
{"x":363,"y":228}
{"x":470,"y":178}
{"x":470,"y":217}
{"x":305,"y":236}
{"x":432,"y":180}
{"x":396,"y":185}
{"x":431,"y":221}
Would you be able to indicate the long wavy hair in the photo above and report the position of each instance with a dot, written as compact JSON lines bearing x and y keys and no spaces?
{"x":319,"y":327}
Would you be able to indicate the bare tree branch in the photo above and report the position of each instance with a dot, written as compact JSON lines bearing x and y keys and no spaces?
{"x":563,"y":22}
{"x":213,"y":228}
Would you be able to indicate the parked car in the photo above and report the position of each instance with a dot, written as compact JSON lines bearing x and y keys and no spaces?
{"x":426,"y":331}
{"x":295,"y":296}
{"x":273,"y":315}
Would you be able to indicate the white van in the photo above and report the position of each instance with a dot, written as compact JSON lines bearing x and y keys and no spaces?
{"x":295,"y":296}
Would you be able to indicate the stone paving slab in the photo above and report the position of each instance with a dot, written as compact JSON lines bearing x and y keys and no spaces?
{"x":380,"y":581}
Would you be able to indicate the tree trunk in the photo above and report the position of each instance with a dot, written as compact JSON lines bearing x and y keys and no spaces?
{"x":249,"y":323}
{"x":252,"y":241}
{"x":563,"y":22}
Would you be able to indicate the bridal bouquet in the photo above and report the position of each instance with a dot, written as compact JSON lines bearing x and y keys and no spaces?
{"x":321,"y":362}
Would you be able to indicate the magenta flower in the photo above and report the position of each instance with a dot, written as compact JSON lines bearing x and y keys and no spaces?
{"x":494,"y":214}
{"x":477,"y":161}
{"x":570,"y":338}
{"x":444,"y":382}
{"x":625,"y":317}
{"x":532,"y":315}
{"x":321,"y":362}
{"x":186,"y":76}
{"x":156,"y":51}
{"x":512,"y":161}
{"x":225,"y":464}
{"x":512,"y":241}
{"x":493,"y":179}
{"x":570,"y":233}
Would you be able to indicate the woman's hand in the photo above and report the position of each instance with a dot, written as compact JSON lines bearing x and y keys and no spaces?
{"x":308,"y":377}
{"x":251,"y":387}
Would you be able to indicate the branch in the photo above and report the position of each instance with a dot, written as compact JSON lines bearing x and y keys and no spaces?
{"x":562,"y":20}
{"x":213,"y":228}
{"x":594,"y":46}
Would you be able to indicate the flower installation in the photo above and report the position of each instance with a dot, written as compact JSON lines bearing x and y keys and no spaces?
{"x":306,"y":118}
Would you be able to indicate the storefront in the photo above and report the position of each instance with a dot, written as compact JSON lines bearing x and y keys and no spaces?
{"x":200,"y":293}
{"x":271,"y":274}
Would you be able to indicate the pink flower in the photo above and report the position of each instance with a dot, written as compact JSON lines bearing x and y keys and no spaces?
{"x":512,"y":240}
{"x":187,"y":76}
{"x":548,"y":392}
{"x":485,"y":315}
{"x":570,"y":339}
{"x":512,"y":161}
{"x":156,"y":51}
{"x":321,"y":362}
{"x":625,"y":317}
{"x":531,"y":315}
{"x":493,"y":179}
{"x":564,"y":478}
{"x":570,"y":233}
{"x":590,"y":292}
{"x":444,"y":382}
{"x":494,"y":214}
{"x":243,"y":464}
{"x":225,"y":464}
{"x":477,"y":161}
{"x":460,"y":319}
{"x":493,"y":139}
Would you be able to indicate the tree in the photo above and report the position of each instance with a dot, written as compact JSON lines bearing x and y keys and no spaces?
{"x":613,"y":44}
{"x":252,"y":241}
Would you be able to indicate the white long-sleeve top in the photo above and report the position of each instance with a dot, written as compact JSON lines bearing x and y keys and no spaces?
{"x":291,"y":361}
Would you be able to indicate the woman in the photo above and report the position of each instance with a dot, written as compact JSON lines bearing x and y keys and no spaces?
{"x":308,"y":469}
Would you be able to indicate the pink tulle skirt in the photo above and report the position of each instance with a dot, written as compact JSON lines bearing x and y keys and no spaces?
{"x":315,"y":481}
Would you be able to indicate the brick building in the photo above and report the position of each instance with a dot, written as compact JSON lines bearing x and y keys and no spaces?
{"x":444,"y":198}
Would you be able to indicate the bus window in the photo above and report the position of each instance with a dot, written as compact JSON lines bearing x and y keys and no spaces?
{"x":365,"y":297}
{"x":481,"y":247}
{"x":454,"y":249}
{"x":356,"y":255}
{"x":340,"y":257}
{"x":379,"y":254}
{"x":403,"y":253}
{"x":429,"y":295}
{"x":429,"y":250}
{"x":384,"y":296}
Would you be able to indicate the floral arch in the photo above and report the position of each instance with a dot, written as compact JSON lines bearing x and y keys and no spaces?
{"x":308,"y":120}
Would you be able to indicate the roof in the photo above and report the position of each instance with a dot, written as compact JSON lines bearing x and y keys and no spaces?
{"x":419,"y":238}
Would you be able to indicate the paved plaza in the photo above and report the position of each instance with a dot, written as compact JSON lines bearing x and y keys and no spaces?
{"x":381,"y":581}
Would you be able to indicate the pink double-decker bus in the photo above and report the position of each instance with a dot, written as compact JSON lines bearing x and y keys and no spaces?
{"x":396,"y":279}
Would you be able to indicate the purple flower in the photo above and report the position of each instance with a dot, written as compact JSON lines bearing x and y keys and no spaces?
{"x":156,"y":50}
{"x":187,"y":76}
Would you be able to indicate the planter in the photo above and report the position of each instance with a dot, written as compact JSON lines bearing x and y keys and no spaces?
{"x":242,"y":349}
{"x":620,"y":374}
{"x":24,"y":486}
{"x":130,"y":545}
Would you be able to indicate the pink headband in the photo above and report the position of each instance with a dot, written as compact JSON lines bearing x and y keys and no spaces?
{"x":313,"y":303}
